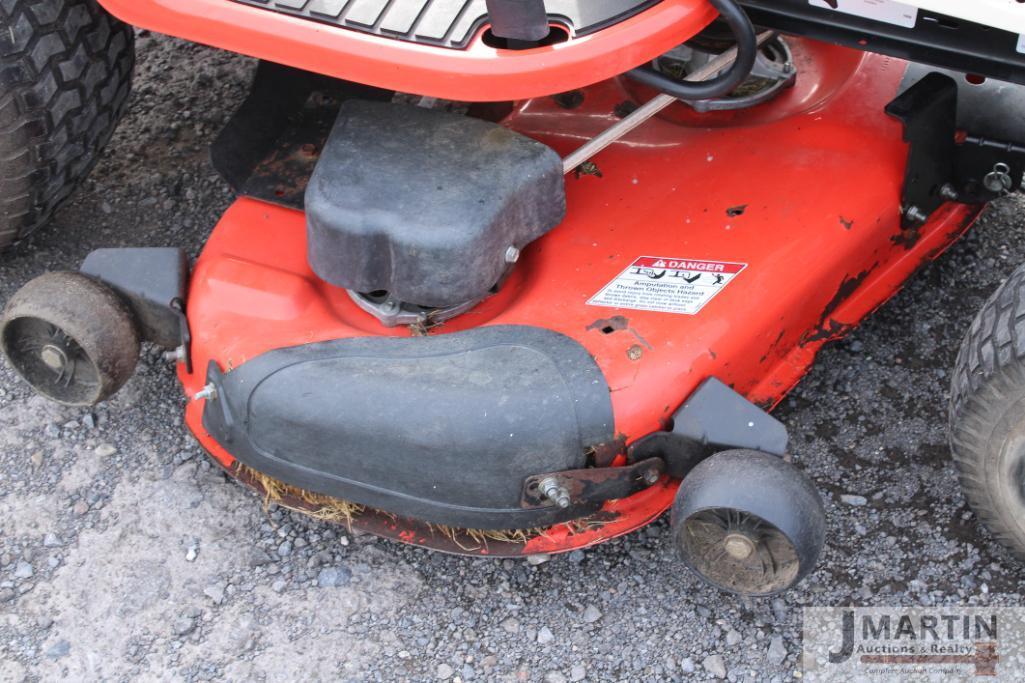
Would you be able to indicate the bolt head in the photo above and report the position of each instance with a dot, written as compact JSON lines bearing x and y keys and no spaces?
{"x":651,"y":477}
{"x":738,"y":546}
{"x":53,"y":357}
{"x":512,"y":255}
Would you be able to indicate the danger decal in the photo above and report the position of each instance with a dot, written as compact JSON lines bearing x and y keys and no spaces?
{"x":667,"y":285}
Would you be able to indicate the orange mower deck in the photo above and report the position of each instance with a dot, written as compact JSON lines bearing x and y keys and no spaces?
{"x":788,"y":214}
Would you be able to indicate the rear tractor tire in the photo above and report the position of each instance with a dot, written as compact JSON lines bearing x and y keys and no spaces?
{"x":987,"y":414}
{"x":65,"y":73}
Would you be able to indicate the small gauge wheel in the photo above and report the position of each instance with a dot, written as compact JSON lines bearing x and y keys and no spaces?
{"x":71,"y":337}
{"x":748,"y":522}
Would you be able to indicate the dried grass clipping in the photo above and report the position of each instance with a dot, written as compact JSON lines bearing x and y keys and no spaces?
{"x":339,"y":511}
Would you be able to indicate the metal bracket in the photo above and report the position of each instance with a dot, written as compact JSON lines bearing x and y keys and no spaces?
{"x":714,"y":418}
{"x":928,"y":110}
{"x":941,"y":167}
{"x":592,"y":485}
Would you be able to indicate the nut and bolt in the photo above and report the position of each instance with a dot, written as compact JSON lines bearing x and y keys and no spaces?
{"x":552,"y":490}
{"x":512,"y":255}
{"x":209,"y":393}
{"x":913,"y":213}
{"x":949,"y":192}
{"x":175,"y":356}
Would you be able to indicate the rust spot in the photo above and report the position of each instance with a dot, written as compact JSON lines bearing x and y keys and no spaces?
{"x":735,"y":211}
{"x":772,"y":346}
{"x":827,"y":327}
{"x":610,"y":325}
{"x":635,"y":352}
{"x":569,"y":100}
{"x":907,"y":238}
{"x":624,"y":109}
{"x":846,"y":289}
{"x":832,"y":329}
{"x":604,"y":453}
{"x":847,"y":224}
{"x":587,"y":168}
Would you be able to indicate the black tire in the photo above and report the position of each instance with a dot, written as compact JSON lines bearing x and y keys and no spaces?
{"x":71,"y":337}
{"x":65,"y":73}
{"x":748,"y":522}
{"x":987,"y":414}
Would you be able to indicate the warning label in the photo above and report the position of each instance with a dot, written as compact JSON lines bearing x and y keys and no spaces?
{"x":668,"y":285}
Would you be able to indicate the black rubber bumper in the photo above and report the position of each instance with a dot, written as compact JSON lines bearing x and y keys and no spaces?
{"x":443,"y":429}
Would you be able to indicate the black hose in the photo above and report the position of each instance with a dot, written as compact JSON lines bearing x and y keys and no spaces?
{"x":723,"y":84}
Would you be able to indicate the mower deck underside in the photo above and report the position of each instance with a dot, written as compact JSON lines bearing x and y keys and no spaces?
{"x":799,"y":200}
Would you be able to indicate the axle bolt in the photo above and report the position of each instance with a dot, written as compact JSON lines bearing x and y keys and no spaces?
{"x":554,"y":491}
{"x":175,"y":356}
{"x":209,"y":392}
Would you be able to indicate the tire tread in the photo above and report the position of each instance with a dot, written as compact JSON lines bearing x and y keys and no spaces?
{"x":65,"y":76}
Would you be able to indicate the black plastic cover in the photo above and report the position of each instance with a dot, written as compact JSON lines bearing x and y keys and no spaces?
{"x":443,"y":429}
{"x":151,"y":280}
{"x":424,"y":204}
{"x":446,"y":23}
{"x":518,"y":19}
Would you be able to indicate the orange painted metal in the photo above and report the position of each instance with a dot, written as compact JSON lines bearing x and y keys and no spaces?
{"x":477,"y":74}
{"x":804,"y":190}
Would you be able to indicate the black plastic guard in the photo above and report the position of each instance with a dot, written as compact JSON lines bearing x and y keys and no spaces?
{"x":444,"y":429}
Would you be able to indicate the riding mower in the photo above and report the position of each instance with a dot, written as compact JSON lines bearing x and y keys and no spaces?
{"x":514,"y":277}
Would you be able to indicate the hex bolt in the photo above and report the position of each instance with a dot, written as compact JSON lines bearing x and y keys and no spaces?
{"x":949,"y":192}
{"x":175,"y":356}
{"x":551,"y":489}
{"x":209,"y":392}
{"x":913,"y":213}
{"x":651,"y":477}
{"x":512,"y":255}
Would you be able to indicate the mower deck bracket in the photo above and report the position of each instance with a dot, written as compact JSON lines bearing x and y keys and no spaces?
{"x":591,"y":485}
{"x":715,"y":418}
{"x":928,"y":110}
{"x":153,"y":282}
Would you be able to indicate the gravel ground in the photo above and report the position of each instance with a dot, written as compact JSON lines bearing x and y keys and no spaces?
{"x":125,"y":555}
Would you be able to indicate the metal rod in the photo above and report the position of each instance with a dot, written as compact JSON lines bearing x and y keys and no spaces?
{"x":648,"y":110}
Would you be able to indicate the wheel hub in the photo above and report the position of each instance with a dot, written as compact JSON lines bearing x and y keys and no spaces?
{"x":53,"y":357}
{"x":738,"y":546}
